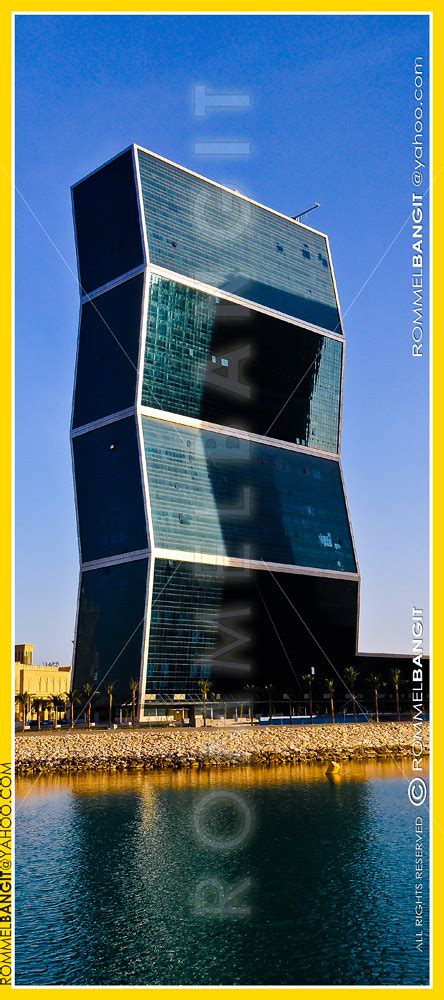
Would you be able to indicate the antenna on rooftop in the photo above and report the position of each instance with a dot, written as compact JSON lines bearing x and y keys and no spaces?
{"x":297,"y":218}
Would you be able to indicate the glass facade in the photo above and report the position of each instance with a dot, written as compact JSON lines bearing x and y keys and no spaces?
{"x":217,"y":494}
{"x":108,"y":352}
{"x":109,"y":491}
{"x":110,"y":626}
{"x":219,"y":622}
{"x":106,"y":215}
{"x":211,"y":494}
{"x":187,"y":600}
{"x":197,"y":229}
{"x":217,"y":361}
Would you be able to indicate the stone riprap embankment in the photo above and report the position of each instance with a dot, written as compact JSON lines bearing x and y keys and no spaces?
{"x":184,"y":748}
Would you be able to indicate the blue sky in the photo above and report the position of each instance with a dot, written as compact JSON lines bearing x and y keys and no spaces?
{"x":331,"y":119}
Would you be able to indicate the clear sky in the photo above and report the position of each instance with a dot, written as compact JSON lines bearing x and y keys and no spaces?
{"x":330,"y":119}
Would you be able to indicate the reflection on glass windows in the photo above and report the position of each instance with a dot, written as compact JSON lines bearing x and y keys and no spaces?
{"x":219,"y":623}
{"x":197,"y":229}
{"x":214,"y":360}
{"x":217,"y":494}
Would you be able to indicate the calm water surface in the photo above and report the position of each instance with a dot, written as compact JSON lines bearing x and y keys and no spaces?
{"x":276,"y":876}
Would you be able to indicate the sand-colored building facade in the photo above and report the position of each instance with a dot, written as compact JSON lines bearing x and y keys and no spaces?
{"x":44,"y":680}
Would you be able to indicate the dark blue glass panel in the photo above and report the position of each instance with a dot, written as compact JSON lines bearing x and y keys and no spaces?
{"x":213,"y":493}
{"x":223,"y":624}
{"x":110,"y":627}
{"x":211,"y":359}
{"x":197,"y":229}
{"x":109,"y":491}
{"x":107,"y":223}
{"x":108,"y":352}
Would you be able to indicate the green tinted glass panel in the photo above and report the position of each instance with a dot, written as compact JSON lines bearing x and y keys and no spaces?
{"x":109,"y":491}
{"x":223,"y":624}
{"x":213,"y":493}
{"x":208,"y":358}
{"x":212,"y":235}
{"x":110,"y":627}
{"x":183,"y":625}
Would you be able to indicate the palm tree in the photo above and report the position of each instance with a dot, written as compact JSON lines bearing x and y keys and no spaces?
{"x":270,"y":692}
{"x":73,"y":699}
{"x":352,"y":675}
{"x":37,"y":704}
{"x":205,"y":688}
{"x":61,"y":703}
{"x":109,"y":690}
{"x":252,"y":695}
{"x":89,"y":693}
{"x":396,"y":678}
{"x":331,"y":690}
{"x":23,"y":700}
{"x":134,"y":687}
{"x":308,"y":679}
{"x":375,"y":683}
{"x":55,"y":703}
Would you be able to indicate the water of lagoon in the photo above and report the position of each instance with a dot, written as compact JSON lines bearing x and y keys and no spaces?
{"x":245,"y":876}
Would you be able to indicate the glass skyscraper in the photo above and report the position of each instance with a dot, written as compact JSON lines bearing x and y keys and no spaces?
{"x":213,"y":528}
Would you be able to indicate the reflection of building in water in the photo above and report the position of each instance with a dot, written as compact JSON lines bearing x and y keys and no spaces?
{"x":214,"y":533}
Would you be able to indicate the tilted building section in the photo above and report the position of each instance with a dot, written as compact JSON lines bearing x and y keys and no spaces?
{"x":213,"y":527}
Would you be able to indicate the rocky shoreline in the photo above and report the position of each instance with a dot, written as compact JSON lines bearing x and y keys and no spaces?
{"x":144,"y":749}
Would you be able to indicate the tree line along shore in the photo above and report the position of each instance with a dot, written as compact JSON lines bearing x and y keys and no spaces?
{"x":72,"y":706}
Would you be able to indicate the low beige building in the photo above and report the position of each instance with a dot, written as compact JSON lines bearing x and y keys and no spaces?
{"x":44,"y":680}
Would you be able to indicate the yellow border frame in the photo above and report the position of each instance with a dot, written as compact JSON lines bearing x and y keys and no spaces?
{"x":434,"y":7}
